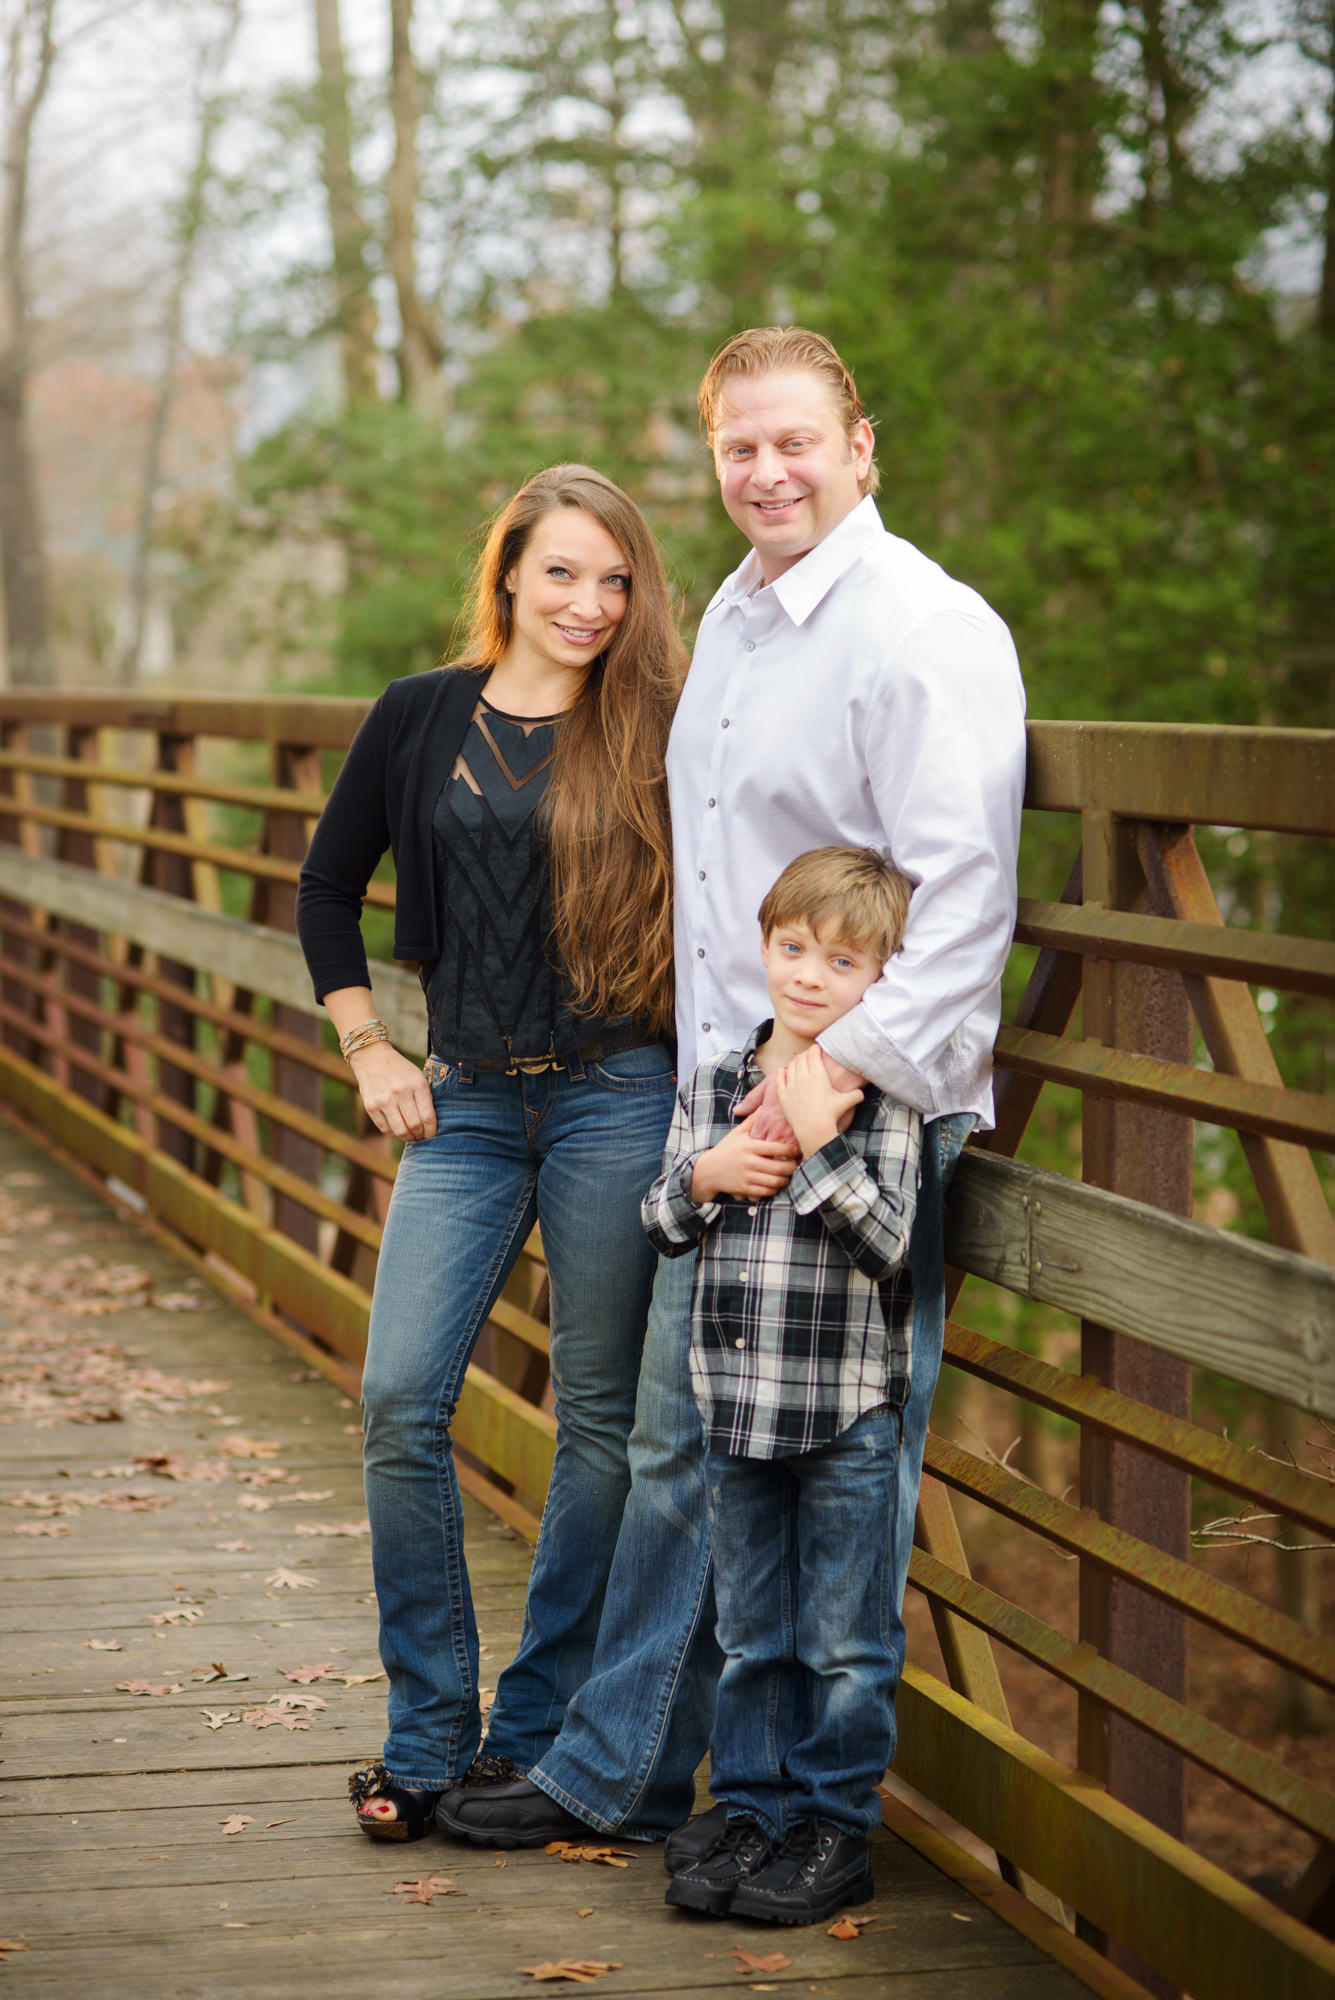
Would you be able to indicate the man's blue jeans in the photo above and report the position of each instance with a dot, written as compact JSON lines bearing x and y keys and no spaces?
{"x":576,"y":1152}
{"x":636,"y":1732}
{"x":809,"y":1622}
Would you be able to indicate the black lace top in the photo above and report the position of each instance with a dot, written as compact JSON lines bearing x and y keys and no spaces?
{"x":496,"y":988}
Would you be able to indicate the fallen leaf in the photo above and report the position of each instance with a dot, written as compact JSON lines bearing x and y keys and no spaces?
{"x":104,"y":1645}
{"x":327,"y":1494}
{"x":959,"y":1919}
{"x":423,"y":1891}
{"x":233,"y":1548}
{"x":585,"y":1913}
{"x":584,"y":1970}
{"x":10,"y":1944}
{"x":502,"y":1861}
{"x":134,"y":1503}
{"x":264,"y":1718}
{"x":331,"y":1527}
{"x":162,"y":1464}
{"x":146,"y":1687}
{"x":256,"y":1503}
{"x":56,"y":1529}
{"x":286,"y":1700}
{"x":216,"y":1718}
{"x":750,"y":1961}
{"x":236,"y":1822}
{"x":305,"y":1675}
{"x":611,"y":1857}
{"x":357,"y":1680}
{"x":287,"y":1579}
{"x":241,"y":1447}
{"x":216,"y":1672}
{"x":278,"y":1822}
{"x":180,"y":1302}
{"x":846,"y":1925}
{"x":179,"y":1614}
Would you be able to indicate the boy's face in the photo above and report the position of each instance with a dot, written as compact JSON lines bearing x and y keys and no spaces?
{"x":814,"y":980}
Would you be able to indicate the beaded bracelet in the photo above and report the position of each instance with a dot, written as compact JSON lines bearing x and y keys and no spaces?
{"x":362,"y":1037}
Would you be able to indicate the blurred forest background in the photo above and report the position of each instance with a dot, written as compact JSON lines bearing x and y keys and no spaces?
{"x":293,"y":295}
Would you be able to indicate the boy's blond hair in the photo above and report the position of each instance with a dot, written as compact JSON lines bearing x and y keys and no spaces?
{"x":854,"y":892}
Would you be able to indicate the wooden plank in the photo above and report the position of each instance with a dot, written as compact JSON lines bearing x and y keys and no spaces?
{"x":1261,"y":1315}
{"x":264,"y":961}
{"x":1298,"y":1116}
{"x":1294,"y":964}
{"x":1179,"y":1913}
{"x":1281,"y":779}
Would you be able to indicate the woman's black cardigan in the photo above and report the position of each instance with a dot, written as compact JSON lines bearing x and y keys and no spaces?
{"x":384,"y":797}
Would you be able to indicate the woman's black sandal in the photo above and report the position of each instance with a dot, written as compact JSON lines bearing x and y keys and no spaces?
{"x":415,"y":1812}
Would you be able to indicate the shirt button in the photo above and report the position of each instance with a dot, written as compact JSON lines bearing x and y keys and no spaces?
{"x":699,"y":951}
{"x":704,"y":1027}
{"x":724,"y":723}
{"x":702,"y":874}
{"x":753,"y":1211}
{"x":750,"y":646}
{"x":742,"y":1277}
{"x":713,"y":802}
{"x":739,"y":1343}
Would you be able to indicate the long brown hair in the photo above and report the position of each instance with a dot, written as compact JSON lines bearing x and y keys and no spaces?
{"x":606,"y":809}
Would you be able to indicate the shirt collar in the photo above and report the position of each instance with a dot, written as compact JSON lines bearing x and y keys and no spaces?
{"x":800,"y":589}
{"x":755,"y":1041}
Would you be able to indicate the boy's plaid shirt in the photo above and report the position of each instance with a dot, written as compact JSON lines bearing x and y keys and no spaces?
{"x":802,"y":1315}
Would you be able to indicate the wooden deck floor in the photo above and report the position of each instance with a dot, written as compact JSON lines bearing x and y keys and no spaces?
{"x":171,"y":1480}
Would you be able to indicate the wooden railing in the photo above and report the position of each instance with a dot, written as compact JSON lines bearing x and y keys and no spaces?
{"x":157,"y":1022}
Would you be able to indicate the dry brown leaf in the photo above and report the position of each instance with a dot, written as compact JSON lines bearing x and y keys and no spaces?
{"x":303,"y":1676}
{"x":585,"y":1913}
{"x":423,"y":1891}
{"x":237,"y":1822}
{"x":135,"y":1503}
{"x":846,"y":1925}
{"x":147,"y":1687}
{"x":278,"y":1822}
{"x":750,"y":1961}
{"x":264,"y":1718}
{"x":357,"y":1680}
{"x":181,"y":1302}
{"x":233,"y":1548}
{"x":256,"y":1502}
{"x":162,"y":1464}
{"x":583,"y":1970}
{"x":55,"y":1529}
{"x":611,"y":1857}
{"x":240,"y":1447}
{"x":179,"y":1614}
{"x":959,"y":1919}
{"x":104,"y":1645}
{"x":287,"y":1579}
{"x":10,"y":1944}
{"x":217,"y":1718}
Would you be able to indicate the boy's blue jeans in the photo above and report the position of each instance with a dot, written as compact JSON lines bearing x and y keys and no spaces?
{"x":636,"y":1732}
{"x":809,"y":1622}
{"x":576,"y":1153}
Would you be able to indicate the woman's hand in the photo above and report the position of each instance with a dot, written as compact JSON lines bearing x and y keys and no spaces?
{"x":395,"y":1092}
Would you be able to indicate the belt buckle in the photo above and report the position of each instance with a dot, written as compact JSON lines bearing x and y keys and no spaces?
{"x":533,"y":1065}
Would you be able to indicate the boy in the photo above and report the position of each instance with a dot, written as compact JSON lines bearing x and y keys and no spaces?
{"x":801,"y":1334}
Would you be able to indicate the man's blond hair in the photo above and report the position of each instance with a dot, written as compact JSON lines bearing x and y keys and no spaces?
{"x":852,"y":893}
{"x":775,"y":350}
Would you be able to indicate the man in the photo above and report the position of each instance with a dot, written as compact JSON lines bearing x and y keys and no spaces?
{"x":844,"y":690}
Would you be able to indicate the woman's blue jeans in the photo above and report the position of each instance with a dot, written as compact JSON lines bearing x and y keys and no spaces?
{"x":575,"y":1152}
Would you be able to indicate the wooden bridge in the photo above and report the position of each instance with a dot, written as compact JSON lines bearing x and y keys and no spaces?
{"x":157,"y":1034}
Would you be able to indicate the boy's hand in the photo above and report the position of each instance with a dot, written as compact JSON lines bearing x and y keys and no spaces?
{"x":810,"y":1102}
{"x":743,"y":1165}
{"x":763,"y":1100}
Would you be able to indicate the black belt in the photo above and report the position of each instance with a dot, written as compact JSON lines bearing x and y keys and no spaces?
{"x":612,"y":1042}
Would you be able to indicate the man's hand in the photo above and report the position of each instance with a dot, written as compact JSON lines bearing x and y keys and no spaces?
{"x":741,"y":1164}
{"x":811,"y":1104}
{"x":395,"y":1092}
{"x":763,"y":1102}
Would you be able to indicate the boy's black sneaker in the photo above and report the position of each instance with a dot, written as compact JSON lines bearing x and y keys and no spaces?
{"x":818,"y":1870}
{"x":709,"y":1882}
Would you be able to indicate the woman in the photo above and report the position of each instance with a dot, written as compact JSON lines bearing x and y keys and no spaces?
{"x":522,"y":793}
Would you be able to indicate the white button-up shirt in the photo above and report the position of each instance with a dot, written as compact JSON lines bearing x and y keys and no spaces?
{"x":864,"y":698}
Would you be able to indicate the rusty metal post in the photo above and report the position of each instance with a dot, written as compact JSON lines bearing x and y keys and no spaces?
{"x":1145,"y":1154}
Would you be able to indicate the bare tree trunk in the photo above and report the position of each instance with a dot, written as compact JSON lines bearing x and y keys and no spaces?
{"x":212,"y":62}
{"x":420,"y":349}
{"x":355,"y":307}
{"x":1070,"y":138}
{"x":30,"y":56}
{"x":1326,"y":305}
